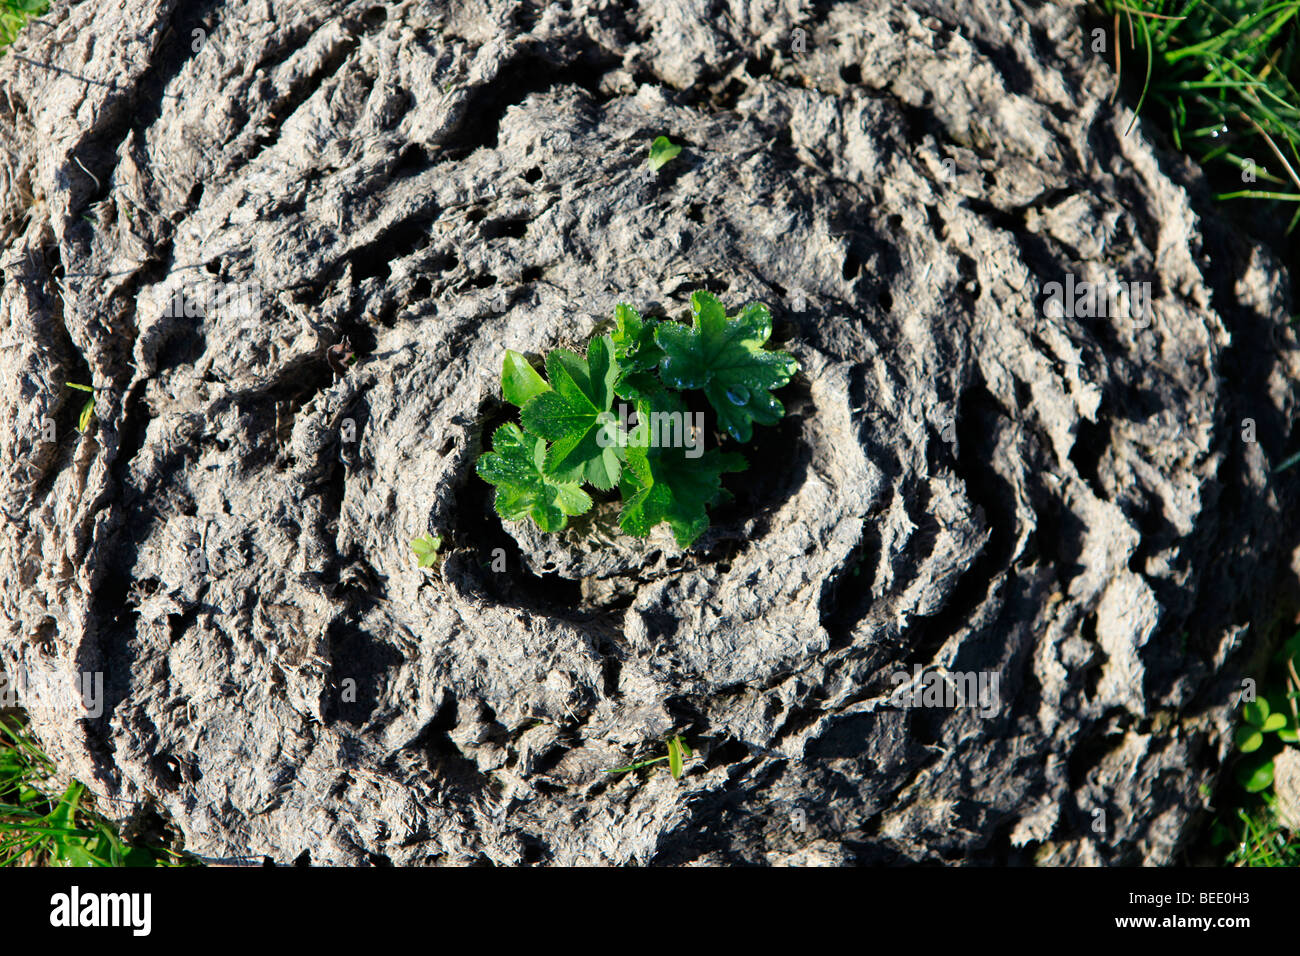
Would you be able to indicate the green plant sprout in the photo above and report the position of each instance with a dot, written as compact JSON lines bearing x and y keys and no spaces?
{"x":1255,"y":773}
{"x":426,"y":549}
{"x":1250,"y":829}
{"x":677,"y":752}
{"x":87,"y":410}
{"x":570,"y":434}
{"x":661,"y":151}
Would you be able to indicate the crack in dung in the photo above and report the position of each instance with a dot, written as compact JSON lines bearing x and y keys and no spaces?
{"x":524,"y":73}
{"x":117,"y":117}
{"x":283,"y":109}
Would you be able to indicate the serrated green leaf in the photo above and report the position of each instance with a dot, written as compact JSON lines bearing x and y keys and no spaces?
{"x":662,"y":484}
{"x":637,"y":354}
{"x":1249,"y":739}
{"x":524,"y":490}
{"x":661,"y":151}
{"x":519,"y":380}
{"x":725,"y":357}
{"x":576,"y":415}
{"x":1256,"y":712}
{"x":631,"y":335}
{"x":571,"y":499}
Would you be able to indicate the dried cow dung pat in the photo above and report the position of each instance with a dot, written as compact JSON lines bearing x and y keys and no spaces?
{"x":1009,"y":489}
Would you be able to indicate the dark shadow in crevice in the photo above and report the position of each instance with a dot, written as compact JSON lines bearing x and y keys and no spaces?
{"x":455,"y":772}
{"x":532,"y":70}
{"x":980,"y":422}
{"x":778,"y":465}
{"x":363,"y":659}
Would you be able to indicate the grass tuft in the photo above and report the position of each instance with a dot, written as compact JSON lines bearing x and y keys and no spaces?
{"x":44,"y":826}
{"x":1221,"y":76}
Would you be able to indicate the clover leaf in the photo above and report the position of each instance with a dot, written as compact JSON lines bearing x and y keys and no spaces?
{"x":725,"y":357}
{"x":1249,"y":739}
{"x":1256,"y":712}
{"x":1255,"y":775}
{"x":515,"y":467}
{"x":426,"y":549}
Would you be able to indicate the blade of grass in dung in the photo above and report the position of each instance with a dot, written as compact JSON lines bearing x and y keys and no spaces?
{"x":1145,"y":13}
{"x":1119,"y":66}
{"x":51,"y":830}
{"x":1260,"y":171}
{"x":1257,"y":194}
{"x":1287,"y":463}
{"x":20,"y":854}
{"x":638,"y":765}
{"x":1276,"y":152}
{"x":1208,"y":84}
{"x":1146,"y":36}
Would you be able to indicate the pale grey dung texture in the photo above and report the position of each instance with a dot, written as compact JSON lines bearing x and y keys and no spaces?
{"x":963,"y":481}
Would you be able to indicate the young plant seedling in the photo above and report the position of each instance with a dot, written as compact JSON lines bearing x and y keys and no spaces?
{"x":426,"y":549}
{"x":677,"y":752}
{"x":1255,"y":773}
{"x":569,"y":434}
{"x":87,"y":410}
{"x":661,"y":151}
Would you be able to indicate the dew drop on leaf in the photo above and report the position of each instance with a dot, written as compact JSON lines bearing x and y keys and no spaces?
{"x":738,"y":395}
